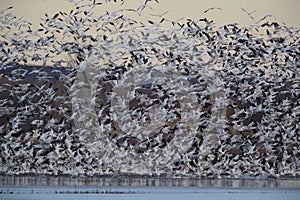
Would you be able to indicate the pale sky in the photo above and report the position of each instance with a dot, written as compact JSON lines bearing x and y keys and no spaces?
{"x":287,"y":11}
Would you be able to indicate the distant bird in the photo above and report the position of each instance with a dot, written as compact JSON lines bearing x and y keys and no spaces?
{"x":160,"y":15}
{"x":249,"y":13}
{"x":212,"y":8}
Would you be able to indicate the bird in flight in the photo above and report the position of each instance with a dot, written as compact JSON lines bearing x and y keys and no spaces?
{"x":212,"y":8}
{"x":249,"y":13}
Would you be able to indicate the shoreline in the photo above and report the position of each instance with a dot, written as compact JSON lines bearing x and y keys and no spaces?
{"x":16,"y":181}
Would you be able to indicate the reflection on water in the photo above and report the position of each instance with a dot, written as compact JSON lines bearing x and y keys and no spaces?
{"x":113,"y":181}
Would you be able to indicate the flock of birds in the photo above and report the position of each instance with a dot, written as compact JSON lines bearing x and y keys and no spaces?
{"x":187,"y":99}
